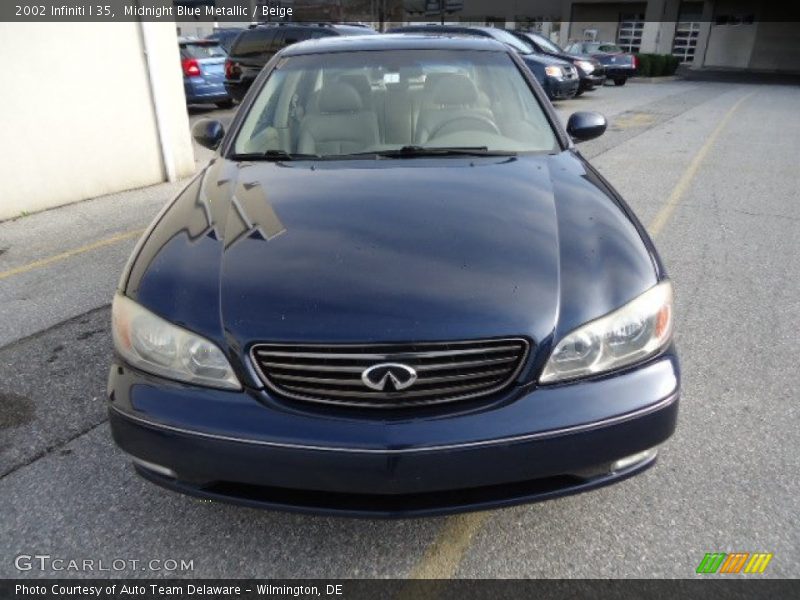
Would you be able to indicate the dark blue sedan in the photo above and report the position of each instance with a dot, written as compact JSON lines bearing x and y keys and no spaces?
{"x":397,"y":289}
{"x":203,"y":64}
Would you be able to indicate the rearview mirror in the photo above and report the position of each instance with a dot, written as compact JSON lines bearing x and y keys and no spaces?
{"x":208,"y":133}
{"x":584,"y":126}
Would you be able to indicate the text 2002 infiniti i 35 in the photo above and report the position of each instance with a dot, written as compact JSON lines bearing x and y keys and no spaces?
{"x":396,"y":290}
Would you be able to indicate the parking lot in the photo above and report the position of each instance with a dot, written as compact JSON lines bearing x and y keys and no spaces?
{"x":710,"y":168}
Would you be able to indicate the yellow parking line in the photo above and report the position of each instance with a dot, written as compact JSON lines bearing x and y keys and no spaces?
{"x":48,"y":260}
{"x":688,"y":175}
{"x":443,"y":557}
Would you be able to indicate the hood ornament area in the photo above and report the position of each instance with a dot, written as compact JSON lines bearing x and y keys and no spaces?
{"x":389,"y":377}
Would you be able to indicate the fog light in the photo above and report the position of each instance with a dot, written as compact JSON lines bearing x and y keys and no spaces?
{"x":166,"y":472}
{"x":639,"y":457}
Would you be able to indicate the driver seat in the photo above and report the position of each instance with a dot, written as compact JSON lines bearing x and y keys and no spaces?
{"x":453,"y":96}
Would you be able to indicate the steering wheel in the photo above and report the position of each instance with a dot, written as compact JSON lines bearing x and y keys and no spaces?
{"x":470,"y":123}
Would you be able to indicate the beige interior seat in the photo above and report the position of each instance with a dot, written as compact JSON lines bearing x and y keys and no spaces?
{"x":341,"y":124}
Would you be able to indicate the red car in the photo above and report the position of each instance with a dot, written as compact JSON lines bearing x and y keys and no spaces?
{"x":619,"y":65}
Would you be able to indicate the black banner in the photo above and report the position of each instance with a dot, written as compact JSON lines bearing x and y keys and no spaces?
{"x":732,"y":588}
{"x":373,"y":11}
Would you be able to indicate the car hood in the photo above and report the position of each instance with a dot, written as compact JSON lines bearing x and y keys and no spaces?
{"x":544,"y":59}
{"x":391,"y":250}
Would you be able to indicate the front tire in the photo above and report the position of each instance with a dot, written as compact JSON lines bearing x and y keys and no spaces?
{"x":225,"y":104}
{"x":620,"y":80}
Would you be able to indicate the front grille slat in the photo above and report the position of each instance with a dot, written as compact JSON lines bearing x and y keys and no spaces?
{"x":473,"y":363}
{"x":301,"y":367}
{"x":312,"y":390}
{"x":384,"y":356}
{"x":446,"y":371}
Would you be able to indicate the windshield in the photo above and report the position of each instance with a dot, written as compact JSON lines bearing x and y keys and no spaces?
{"x":350,"y":103}
{"x":610,"y":48}
{"x":203,"y":50}
{"x":501,"y":35}
{"x":545,"y":43}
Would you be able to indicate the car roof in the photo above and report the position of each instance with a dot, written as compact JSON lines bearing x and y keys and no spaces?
{"x":394,"y":41}
{"x":340,"y":27}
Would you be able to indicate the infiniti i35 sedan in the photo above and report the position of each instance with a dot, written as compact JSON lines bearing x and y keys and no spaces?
{"x":397,"y":289}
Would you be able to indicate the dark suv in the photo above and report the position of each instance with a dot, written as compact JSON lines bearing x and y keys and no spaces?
{"x":559,"y":78}
{"x":255,"y":46}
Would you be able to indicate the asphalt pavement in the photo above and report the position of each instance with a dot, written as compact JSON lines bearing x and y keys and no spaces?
{"x":710,"y":168}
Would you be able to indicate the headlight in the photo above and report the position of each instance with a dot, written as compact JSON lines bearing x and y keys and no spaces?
{"x":155,"y":345}
{"x":553,"y":71}
{"x":629,"y":334}
{"x":585,"y":66}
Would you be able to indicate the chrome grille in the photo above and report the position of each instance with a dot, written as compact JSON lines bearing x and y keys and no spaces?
{"x":446,"y":371}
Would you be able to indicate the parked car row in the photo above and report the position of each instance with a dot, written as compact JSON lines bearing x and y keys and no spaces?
{"x":619,"y":65}
{"x":562,"y":73}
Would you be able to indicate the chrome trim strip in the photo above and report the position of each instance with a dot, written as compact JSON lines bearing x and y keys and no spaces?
{"x":509,"y":440}
{"x":165,"y":471}
{"x":346,"y":369}
{"x":259,"y":350}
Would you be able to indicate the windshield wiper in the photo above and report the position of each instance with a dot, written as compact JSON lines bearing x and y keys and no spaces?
{"x":274,"y":155}
{"x":414,"y":151}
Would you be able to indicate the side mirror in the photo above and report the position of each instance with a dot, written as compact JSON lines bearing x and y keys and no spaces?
{"x":584,"y":126}
{"x":208,"y":133}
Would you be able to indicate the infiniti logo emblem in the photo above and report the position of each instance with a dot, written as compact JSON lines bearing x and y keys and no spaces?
{"x":389,"y":377}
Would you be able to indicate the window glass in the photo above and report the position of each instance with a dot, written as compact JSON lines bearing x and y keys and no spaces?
{"x":509,"y":38}
{"x":203,"y":50}
{"x":253,"y":42}
{"x":292,"y":36}
{"x":350,"y":103}
{"x":546,"y":44}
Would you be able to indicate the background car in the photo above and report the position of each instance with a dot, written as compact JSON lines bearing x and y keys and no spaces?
{"x":559,"y":78}
{"x":225,"y":36}
{"x":591,"y":71}
{"x":253,"y":48}
{"x":619,"y":65}
{"x":203,"y":64}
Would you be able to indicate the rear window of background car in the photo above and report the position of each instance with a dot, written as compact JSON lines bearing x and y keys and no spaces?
{"x":203,"y":50}
{"x":255,"y":41}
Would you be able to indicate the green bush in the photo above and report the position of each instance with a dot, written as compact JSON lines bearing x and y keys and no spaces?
{"x":659,"y":65}
{"x":644,"y":65}
{"x":656,"y":65}
{"x":672,"y":64}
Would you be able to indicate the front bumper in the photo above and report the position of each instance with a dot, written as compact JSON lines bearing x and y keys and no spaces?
{"x":252,"y":449}
{"x":561,"y":89}
{"x":613,"y":72}
{"x":593,"y":80}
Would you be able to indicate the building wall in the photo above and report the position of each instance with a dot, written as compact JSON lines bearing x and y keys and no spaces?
{"x":730,"y":46}
{"x":776,"y":47}
{"x":78,"y":112}
{"x":600,"y":15}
